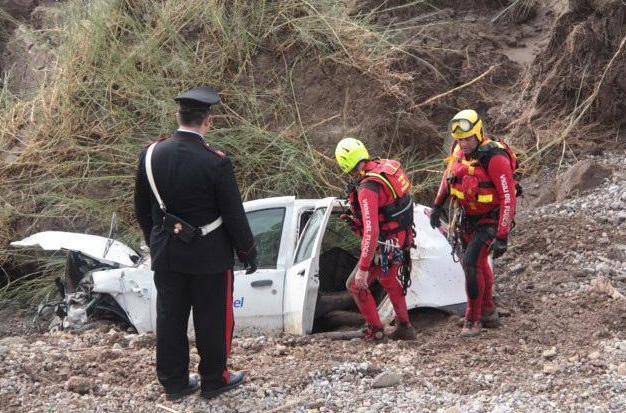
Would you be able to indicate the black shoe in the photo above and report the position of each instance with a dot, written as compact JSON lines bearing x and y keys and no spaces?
{"x":236,"y":379}
{"x":192,"y":387}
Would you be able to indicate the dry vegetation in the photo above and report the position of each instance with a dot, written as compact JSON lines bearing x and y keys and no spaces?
{"x":295,"y":77}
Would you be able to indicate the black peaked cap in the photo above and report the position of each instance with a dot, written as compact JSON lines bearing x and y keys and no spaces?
{"x":200,"y":96}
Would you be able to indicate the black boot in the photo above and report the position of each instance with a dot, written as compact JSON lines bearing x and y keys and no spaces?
{"x":192,"y":386}
{"x":235,"y":380}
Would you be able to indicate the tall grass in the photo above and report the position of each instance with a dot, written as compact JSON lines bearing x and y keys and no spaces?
{"x":118,"y":65}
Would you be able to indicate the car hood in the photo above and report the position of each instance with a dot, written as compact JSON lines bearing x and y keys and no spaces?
{"x":93,"y":246}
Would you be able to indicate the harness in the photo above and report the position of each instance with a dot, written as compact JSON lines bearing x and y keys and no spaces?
{"x":473,"y":191}
{"x":469,"y":180}
{"x":390,"y":175}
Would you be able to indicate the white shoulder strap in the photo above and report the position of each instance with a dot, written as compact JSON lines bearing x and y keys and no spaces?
{"x":151,"y":176}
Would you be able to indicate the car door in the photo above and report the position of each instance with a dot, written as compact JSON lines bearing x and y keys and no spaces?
{"x":258,"y":297}
{"x":302,"y":278}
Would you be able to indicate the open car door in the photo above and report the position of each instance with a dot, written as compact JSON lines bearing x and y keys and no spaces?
{"x":302,"y":279}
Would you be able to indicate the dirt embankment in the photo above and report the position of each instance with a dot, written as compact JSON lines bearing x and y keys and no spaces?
{"x":573,"y":93}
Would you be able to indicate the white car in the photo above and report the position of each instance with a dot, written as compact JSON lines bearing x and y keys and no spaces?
{"x":305,"y":254}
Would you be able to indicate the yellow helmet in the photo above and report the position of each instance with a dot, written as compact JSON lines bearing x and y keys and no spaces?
{"x":466,"y":124}
{"x":349,"y":152}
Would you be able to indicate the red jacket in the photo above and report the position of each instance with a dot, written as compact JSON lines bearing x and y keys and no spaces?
{"x":482,"y":183}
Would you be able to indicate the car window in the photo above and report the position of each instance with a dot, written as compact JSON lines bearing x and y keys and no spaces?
{"x":307,"y":240}
{"x":339,"y":234}
{"x":267,"y":229}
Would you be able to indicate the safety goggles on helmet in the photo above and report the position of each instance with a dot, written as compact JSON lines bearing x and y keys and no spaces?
{"x":462,"y":125}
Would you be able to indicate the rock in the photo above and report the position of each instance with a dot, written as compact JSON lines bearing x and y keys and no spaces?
{"x":594,"y":356}
{"x":501,"y":409}
{"x":78,"y":384}
{"x":142,"y":341}
{"x":517,"y":269}
{"x":549,"y":353}
{"x":603,"y":286}
{"x":550,"y":368}
{"x":364,"y":367}
{"x":453,"y":409}
{"x":280,"y":350}
{"x":621,"y":369}
{"x":504,"y":312}
{"x":582,"y":176}
{"x":3,"y":350}
{"x":621,"y":345}
{"x":386,"y":379}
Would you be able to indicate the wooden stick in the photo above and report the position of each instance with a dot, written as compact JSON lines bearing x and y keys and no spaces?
{"x":451,"y":91}
{"x":167,"y":409}
{"x":338,"y":335}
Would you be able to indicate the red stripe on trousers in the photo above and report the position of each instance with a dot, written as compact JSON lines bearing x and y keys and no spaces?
{"x":230,"y":320}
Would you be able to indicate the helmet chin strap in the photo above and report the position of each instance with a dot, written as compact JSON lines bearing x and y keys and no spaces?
{"x":359,"y":168}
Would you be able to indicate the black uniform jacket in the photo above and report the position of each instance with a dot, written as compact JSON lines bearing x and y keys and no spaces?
{"x":198,"y":185}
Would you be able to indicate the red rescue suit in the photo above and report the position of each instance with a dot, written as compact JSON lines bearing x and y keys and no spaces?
{"x":484,"y":186}
{"x":381,"y":184}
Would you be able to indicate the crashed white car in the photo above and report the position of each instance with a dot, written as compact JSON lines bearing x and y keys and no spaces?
{"x":305,"y":256}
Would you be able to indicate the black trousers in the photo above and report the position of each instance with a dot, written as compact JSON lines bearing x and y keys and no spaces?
{"x":210,"y":296}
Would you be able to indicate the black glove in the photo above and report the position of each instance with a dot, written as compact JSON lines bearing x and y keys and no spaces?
{"x":251,"y":264}
{"x":249,"y":260}
{"x":435,"y":216}
{"x":498,"y":248}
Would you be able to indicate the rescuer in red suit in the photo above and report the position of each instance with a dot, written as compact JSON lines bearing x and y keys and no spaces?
{"x":382,"y":214}
{"x":480,"y":177}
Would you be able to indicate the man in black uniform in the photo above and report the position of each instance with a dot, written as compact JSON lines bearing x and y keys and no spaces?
{"x":189,"y":208}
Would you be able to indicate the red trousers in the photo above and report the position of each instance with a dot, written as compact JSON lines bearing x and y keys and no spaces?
{"x":479,"y":278}
{"x":365,"y":300}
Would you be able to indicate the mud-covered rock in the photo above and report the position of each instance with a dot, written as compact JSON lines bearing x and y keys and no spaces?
{"x":386,"y":379}
{"x":582,"y":176}
{"x":77,"y":384}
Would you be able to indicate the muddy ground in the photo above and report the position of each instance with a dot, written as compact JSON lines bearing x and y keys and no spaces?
{"x":562,"y":345}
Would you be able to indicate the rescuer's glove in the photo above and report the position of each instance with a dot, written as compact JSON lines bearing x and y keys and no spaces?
{"x":354,"y":223}
{"x":435,"y":216}
{"x":498,"y":248}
